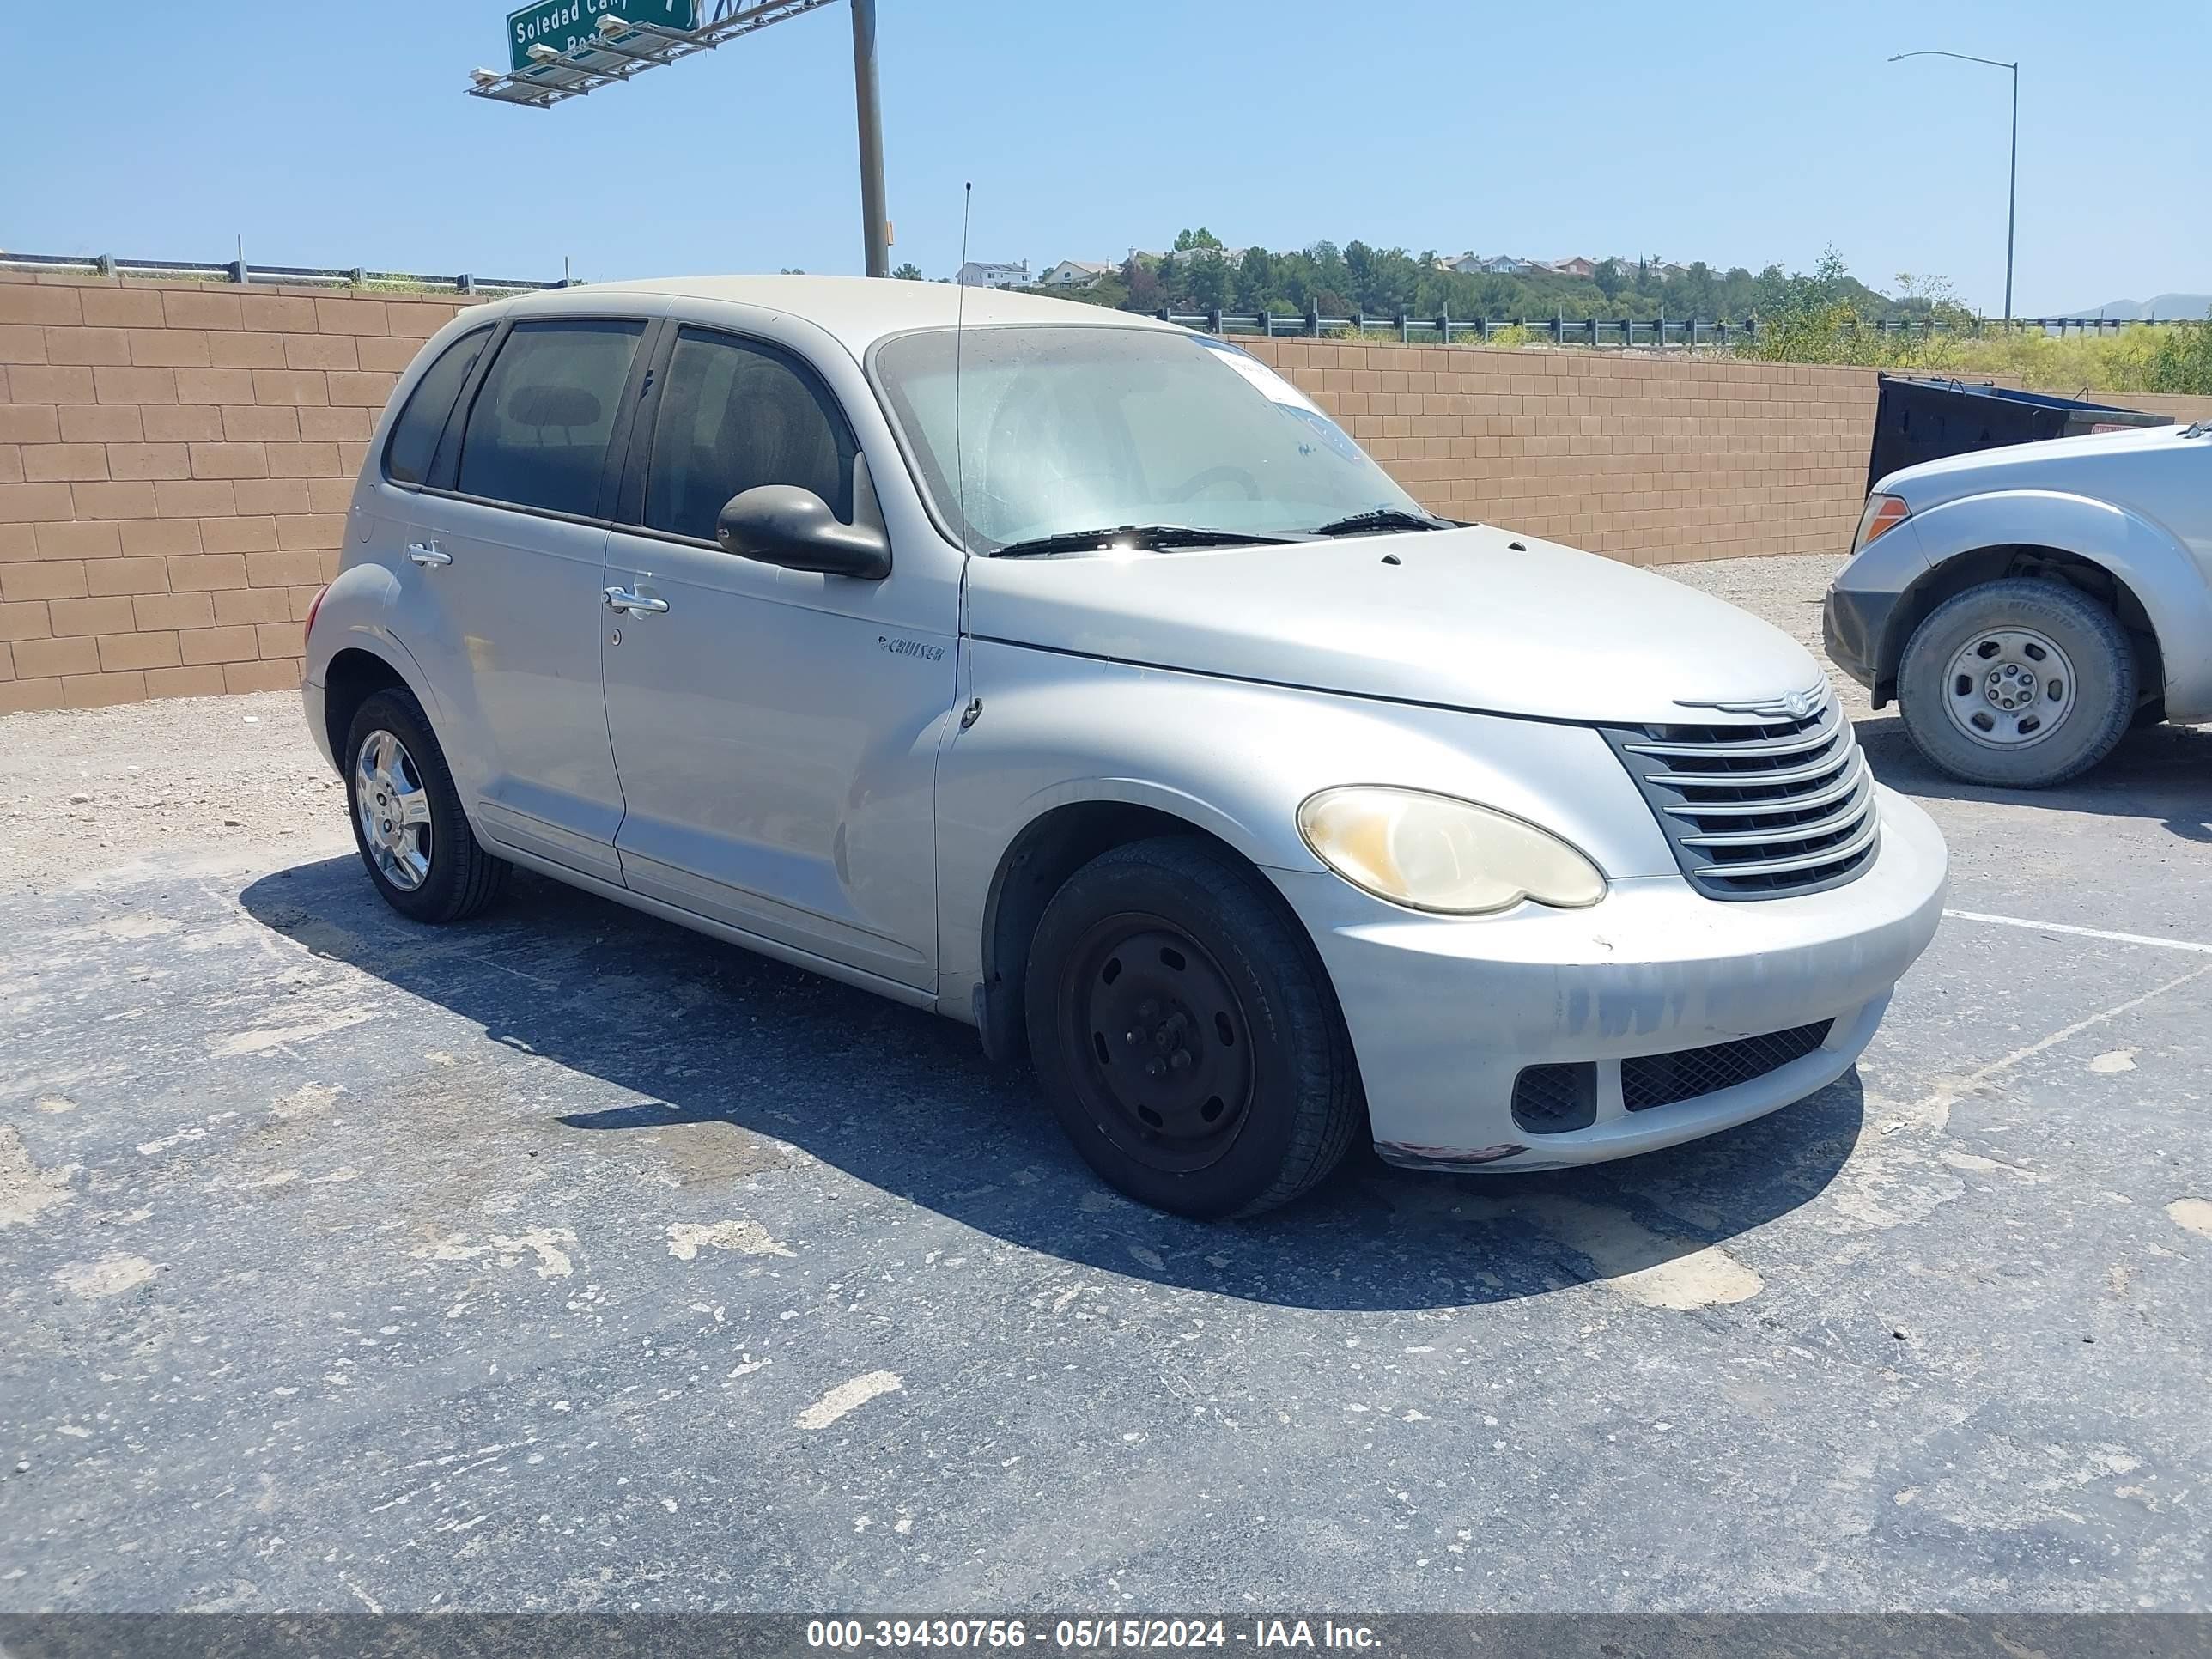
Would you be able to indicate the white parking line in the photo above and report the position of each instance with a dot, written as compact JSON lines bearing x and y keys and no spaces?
{"x":2083,"y":932}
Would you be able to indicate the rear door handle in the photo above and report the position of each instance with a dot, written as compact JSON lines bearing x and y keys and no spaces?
{"x":621,"y":598}
{"x":429,"y":553}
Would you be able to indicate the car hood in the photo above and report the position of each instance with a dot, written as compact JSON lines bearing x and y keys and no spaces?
{"x":2046,"y":463}
{"x":1475,"y":618}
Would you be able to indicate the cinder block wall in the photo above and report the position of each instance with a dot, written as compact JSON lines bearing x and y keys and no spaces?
{"x":1649,"y":459}
{"x":176,"y":460}
{"x":175,"y":465}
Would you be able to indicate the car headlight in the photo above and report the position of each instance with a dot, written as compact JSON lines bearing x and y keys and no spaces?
{"x":1435,"y":852}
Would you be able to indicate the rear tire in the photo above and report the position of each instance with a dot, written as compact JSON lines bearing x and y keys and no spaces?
{"x":2022,"y":684}
{"x":414,"y":839}
{"x":1186,"y":1035}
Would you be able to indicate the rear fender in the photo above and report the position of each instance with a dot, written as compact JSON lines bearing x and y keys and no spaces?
{"x":356,"y":616}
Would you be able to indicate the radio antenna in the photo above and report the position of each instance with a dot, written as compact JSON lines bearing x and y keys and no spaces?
{"x":959,"y":331}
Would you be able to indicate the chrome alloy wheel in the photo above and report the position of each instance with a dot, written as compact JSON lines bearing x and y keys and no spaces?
{"x":393,"y":809}
{"x":2009,"y":687}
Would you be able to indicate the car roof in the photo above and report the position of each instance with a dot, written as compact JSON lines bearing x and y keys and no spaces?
{"x":857,"y":310}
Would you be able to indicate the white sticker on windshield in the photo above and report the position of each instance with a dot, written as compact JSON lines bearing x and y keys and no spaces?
{"x":1272,"y":385}
{"x":1285,"y":396}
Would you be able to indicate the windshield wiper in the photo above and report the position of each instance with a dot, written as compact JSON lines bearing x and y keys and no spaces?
{"x":1383,"y":518}
{"x":1142,"y":536}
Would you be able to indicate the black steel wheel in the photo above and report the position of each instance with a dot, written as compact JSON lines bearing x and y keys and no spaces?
{"x":1185,"y":1033}
{"x":1163,"y":1044}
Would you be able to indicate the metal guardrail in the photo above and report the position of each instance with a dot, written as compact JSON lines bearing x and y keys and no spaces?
{"x":239,"y":271}
{"x":1615,"y":333}
{"x":1660,"y":333}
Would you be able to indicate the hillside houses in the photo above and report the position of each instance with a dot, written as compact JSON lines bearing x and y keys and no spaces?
{"x":980,"y":273}
{"x":1512,"y":265}
{"x":1075,"y":273}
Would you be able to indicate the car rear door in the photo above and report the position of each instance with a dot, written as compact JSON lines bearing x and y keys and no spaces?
{"x":776,"y":730}
{"x":510,"y":531}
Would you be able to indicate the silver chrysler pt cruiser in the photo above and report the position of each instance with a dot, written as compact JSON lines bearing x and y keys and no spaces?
{"x":1074,"y":675}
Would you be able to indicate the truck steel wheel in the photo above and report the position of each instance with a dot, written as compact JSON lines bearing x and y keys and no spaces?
{"x":1185,"y":1034}
{"x":407,"y":821}
{"x":2022,"y":684}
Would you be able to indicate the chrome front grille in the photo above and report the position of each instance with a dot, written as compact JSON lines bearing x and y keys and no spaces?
{"x":1761,"y":810}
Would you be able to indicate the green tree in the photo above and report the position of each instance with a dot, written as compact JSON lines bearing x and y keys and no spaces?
{"x":1608,"y":277}
{"x":1695,"y":294}
{"x":1206,"y":278}
{"x":908,"y":272}
{"x":1143,"y":285}
{"x":1255,"y":280}
{"x":1188,"y":240}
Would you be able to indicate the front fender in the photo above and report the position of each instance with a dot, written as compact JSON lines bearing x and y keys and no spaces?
{"x":2142,"y":556}
{"x":1235,"y":759}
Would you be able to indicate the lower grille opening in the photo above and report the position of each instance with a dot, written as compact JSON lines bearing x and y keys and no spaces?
{"x":1663,"y":1079}
{"x":1549,"y":1100}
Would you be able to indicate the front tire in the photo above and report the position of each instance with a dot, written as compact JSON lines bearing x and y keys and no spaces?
{"x":1185,"y":1033}
{"x":2022,"y":684}
{"x":414,"y":839}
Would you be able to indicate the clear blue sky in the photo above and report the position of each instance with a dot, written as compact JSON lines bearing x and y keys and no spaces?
{"x":337,"y":133}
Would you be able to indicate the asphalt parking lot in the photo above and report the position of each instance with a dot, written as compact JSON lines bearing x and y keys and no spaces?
{"x":569,"y":1260}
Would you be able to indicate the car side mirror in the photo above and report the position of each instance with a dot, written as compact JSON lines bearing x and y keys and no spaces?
{"x":786,"y":525}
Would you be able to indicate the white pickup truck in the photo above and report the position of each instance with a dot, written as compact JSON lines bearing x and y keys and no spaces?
{"x":2025,"y":605}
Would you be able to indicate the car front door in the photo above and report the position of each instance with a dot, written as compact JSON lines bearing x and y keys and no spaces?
{"x":776,"y":731}
{"x":510,"y":534}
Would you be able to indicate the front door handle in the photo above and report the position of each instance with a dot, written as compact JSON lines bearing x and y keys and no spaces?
{"x":429,"y":553}
{"x":621,"y":598}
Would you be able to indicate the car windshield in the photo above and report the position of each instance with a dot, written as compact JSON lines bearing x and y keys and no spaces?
{"x":1073,"y":427}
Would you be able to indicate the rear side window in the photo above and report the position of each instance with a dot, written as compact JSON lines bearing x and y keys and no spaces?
{"x":732,"y":417}
{"x":415,"y":435}
{"x":538,"y":432}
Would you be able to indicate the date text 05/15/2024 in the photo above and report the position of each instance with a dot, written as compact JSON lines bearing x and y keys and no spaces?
{"x":1086,"y":1635}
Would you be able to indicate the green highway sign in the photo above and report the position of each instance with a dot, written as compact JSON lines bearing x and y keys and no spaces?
{"x":561,"y":25}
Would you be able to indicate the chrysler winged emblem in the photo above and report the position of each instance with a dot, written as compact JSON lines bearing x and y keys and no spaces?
{"x":1795,"y":706}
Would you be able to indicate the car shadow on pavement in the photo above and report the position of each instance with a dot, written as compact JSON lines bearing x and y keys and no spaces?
{"x":2162,"y":773}
{"x":706,"y":1034}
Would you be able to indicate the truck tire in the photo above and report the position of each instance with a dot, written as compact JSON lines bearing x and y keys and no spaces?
{"x":2020,"y":684}
{"x":1186,"y":1035}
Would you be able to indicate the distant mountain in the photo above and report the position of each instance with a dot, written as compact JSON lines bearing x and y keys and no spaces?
{"x":2163,"y":305}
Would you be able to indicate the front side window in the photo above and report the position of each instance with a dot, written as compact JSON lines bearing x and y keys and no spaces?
{"x":537,"y":433}
{"x":415,"y":435}
{"x":1070,"y":426}
{"x":733,"y":416}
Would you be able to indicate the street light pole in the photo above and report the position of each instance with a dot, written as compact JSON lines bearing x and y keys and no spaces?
{"x":2012,"y":204}
{"x":875,"y":229}
{"x":2012,"y":195}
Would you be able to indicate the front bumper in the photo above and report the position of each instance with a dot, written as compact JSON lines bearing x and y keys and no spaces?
{"x":1444,"y":1013}
{"x":1853,"y":626}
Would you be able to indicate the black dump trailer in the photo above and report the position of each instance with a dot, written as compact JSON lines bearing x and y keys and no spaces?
{"x":1921,"y":420}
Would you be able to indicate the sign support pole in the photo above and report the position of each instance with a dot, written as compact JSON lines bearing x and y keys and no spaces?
{"x":875,"y":230}
{"x":619,"y":45}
